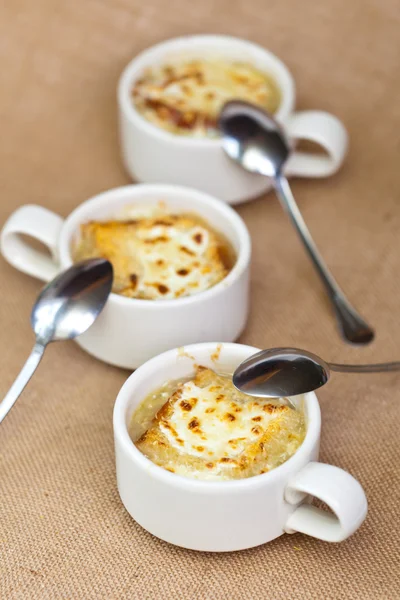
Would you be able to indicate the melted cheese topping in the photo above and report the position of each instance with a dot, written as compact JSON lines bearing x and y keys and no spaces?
{"x":209,"y":430}
{"x":186,"y":98}
{"x":216,"y":426}
{"x":157,"y":257}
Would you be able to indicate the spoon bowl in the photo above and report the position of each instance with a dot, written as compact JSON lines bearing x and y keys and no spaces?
{"x":253,"y":138}
{"x":285,"y":372}
{"x":72,"y":301}
{"x":281,"y":372}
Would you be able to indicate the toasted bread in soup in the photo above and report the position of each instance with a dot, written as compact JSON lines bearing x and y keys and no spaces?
{"x":209,"y":430}
{"x":155,"y":258}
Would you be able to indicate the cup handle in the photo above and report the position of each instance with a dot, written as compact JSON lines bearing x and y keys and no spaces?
{"x":42,"y":225}
{"x":323,"y":129}
{"x":339,"y":490}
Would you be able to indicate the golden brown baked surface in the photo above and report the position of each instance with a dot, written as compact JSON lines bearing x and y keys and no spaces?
{"x":209,"y":430}
{"x":162,"y":257}
{"x":185,"y":98}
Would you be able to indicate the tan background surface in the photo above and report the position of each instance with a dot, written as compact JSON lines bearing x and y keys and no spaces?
{"x":64,"y":532}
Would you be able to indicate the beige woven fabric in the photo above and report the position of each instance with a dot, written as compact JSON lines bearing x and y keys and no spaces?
{"x":63,"y":531}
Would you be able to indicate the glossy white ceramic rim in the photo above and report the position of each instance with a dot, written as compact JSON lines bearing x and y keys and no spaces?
{"x":138,"y":193}
{"x":152,"y":56}
{"x":147,"y":370}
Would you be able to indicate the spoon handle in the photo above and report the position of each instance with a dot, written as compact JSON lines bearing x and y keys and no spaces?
{"x":354,"y":328}
{"x":19,"y":384}
{"x":374,"y":368}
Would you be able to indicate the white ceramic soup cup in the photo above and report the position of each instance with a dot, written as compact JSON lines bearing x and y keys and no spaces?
{"x":229,"y":515}
{"x":130,"y":331}
{"x":151,"y":154}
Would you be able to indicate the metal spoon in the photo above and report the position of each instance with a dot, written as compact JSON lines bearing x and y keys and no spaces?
{"x":280,"y":372}
{"x":256,"y":141}
{"x":65,"y":308}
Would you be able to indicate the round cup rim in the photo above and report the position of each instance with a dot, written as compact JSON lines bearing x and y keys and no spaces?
{"x":126,"y":78}
{"x":244,"y":247}
{"x":121,"y":433}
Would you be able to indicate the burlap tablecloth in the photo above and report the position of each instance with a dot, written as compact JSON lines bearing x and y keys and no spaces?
{"x":64,"y":532}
